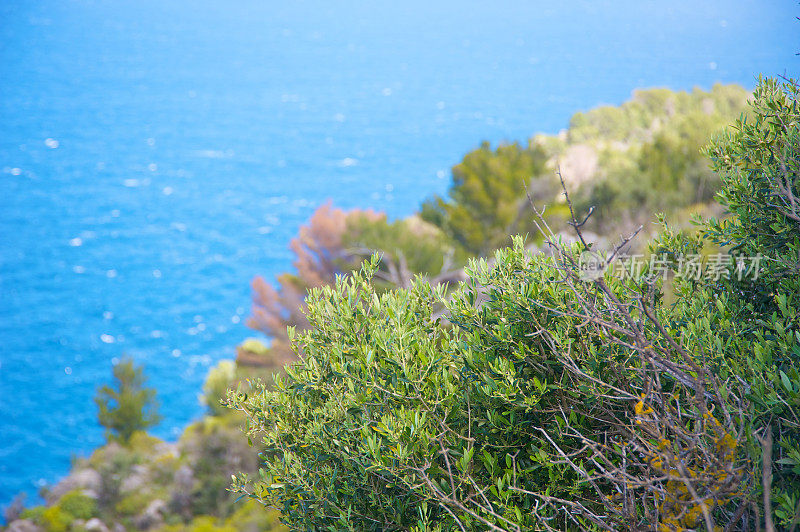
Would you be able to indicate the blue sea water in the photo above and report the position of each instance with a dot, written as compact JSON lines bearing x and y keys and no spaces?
{"x":156,"y":155}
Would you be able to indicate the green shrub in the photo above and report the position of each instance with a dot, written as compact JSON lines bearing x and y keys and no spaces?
{"x":251,"y":517}
{"x":34,"y":514}
{"x":657,"y":165}
{"x":408,"y":247}
{"x":55,"y":519}
{"x":553,"y":401}
{"x":759,"y":162}
{"x":207,"y":524}
{"x":78,"y":505}
{"x":215,"y":450}
{"x":133,"y":503}
{"x":255,"y":346}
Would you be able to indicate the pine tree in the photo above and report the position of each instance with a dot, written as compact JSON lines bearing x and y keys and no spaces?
{"x":129,"y":406}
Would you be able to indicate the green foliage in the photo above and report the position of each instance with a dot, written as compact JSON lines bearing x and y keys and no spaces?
{"x":392,"y":418}
{"x":486,"y":201}
{"x":333,"y":243}
{"x":255,"y":346}
{"x":627,"y":162}
{"x":204,"y":523}
{"x":325,"y":450}
{"x":748,"y":324}
{"x":251,"y":517}
{"x":408,"y":247}
{"x":60,"y":517}
{"x":319,"y":251}
{"x":214,"y":450}
{"x":78,"y":505}
{"x":651,"y":156}
{"x":55,"y":519}
{"x":759,"y":162}
{"x":191,"y":478}
{"x":34,"y":514}
{"x":215,"y":389}
{"x":129,"y":406}
{"x":636,"y":119}
{"x":550,"y":402}
{"x":132,"y":504}
{"x":248,"y":517}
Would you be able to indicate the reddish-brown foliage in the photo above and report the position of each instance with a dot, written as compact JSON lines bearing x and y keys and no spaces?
{"x":319,"y":255}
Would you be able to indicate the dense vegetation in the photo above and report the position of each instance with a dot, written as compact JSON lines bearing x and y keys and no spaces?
{"x":604,"y":157}
{"x":486,"y":200}
{"x":552,"y":401}
{"x":629,"y":162}
{"x":422,"y":402}
{"x":655,"y":165}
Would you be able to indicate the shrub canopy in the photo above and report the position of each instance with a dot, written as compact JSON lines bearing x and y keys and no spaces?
{"x":546,"y":400}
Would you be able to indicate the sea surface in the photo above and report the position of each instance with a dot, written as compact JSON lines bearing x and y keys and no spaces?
{"x":156,"y":155}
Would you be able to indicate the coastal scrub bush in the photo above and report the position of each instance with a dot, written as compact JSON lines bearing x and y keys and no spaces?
{"x":323,"y":432}
{"x":128,"y":406}
{"x":634,"y":120}
{"x":407,"y":248}
{"x":759,"y":161}
{"x":78,"y":504}
{"x":60,"y":517}
{"x":55,"y":519}
{"x":317,"y":249}
{"x":213,"y":449}
{"x":549,"y":399}
{"x":248,"y":517}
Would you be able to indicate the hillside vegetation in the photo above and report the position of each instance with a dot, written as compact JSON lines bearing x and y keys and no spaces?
{"x":500,"y":392}
{"x":553,"y":400}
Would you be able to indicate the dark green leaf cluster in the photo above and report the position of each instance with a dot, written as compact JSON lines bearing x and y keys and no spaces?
{"x":759,"y":161}
{"x":759,"y":164}
{"x":487,"y":202}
